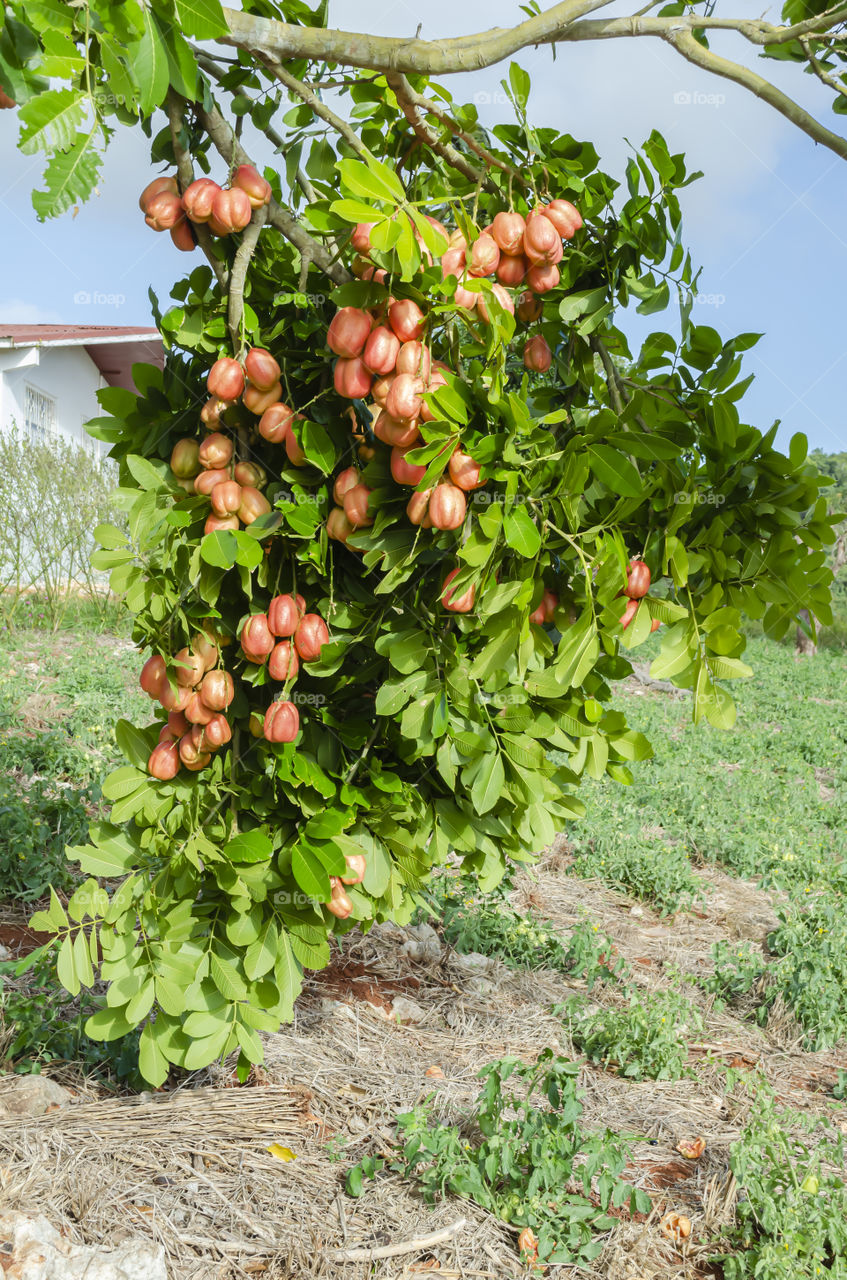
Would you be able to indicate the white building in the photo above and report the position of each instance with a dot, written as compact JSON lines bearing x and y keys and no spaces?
{"x":50,"y":374}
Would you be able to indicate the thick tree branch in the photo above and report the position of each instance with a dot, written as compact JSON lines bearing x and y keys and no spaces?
{"x":185,"y":172}
{"x":283,"y":42}
{"x":412,"y":104}
{"x":469,"y":53}
{"x":230,"y":149}
{"x":612,"y":382}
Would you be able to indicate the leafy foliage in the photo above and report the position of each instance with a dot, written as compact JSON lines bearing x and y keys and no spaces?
{"x":523,"y":1156}
{"x":421,"y":739}
{"x":790,"y":1220}
{"x":647,"y":1039}
{"x":519,"y":939}
{"x":45,"y":1026}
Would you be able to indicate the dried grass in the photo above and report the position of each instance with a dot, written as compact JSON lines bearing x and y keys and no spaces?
{"x":191,"y":1169}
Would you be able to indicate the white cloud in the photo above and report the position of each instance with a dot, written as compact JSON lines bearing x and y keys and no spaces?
{"x":16,"y":311}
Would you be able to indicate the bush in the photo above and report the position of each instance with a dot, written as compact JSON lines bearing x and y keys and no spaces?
{"x":791,"y":1216}
{"x":40,"y":1024}
{"x":524,"y":1158}
{"x":520,"y":940}
{"x":53,"y":494}
{"x":647,"y":1039}
{"x":37,"y":820}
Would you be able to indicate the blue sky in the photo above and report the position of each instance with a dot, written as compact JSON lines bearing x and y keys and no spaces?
{"x":767,"y":222}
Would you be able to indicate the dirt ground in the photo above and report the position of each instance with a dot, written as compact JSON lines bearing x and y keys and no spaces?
{"x":191,"y":1168}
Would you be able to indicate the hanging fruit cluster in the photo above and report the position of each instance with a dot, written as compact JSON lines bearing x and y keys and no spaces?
{"x":196,"y":702}
{"x":224,"y":210}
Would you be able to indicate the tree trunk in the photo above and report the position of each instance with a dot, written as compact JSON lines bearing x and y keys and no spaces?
{"x":804,"y":646}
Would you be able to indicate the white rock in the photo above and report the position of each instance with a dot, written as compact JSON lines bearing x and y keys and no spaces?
{"x":473,"y":964}
{"x":39,"y":1253}
{"x":407,"y":1011}
{"x":5,"y":953}
{"x":31,"y":1096}
{"x":423,"y":944}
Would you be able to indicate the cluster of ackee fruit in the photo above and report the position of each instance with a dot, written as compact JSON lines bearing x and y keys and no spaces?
{"x":234,"y":489}
{"x":637,"y":585}
{"x":281,"y":638}
{"x":381,"y":353}
{"x":196,"y":703}
{"x":223,"y":209}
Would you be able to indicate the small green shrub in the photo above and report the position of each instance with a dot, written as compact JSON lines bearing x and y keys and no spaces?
{"x":738,"y":968}
{"x":791,"y":1216}
{"x":645,"y":1040}
{"x":41,"y":1024}
{"x":523,"y":1156}
{"x":811,"y":966}
{"x":37,"y":820}
{"x":649,"y":869}
{"x":493,"y":927}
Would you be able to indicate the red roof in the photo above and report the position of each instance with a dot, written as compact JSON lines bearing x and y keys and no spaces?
{"x":113,"y":348}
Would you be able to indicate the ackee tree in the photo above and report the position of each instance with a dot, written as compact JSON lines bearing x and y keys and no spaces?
{"x":401,"y":503}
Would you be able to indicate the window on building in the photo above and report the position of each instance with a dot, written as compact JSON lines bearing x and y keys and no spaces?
{"x":39,"y":413}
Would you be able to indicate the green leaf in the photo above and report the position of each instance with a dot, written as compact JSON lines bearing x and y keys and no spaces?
{"x":317,"y":445}
{"x":249,"y":846}
{"x":249,"y":553}
{"x":133,"y":743}
{"x":70,"y":177}
{"x":729,"y":668}
{"x":261,"y":955}
{"x":51,"y":120}
{"x":66,"y":967}
{"x":202,"y":18}
{"x":288,"y":975}
{"x":123,"y":782}
{"x":149,"y":61}
{"x":148,"y":475}
{"x":226,"y":977}
{"x":372,"y":180}
{"x":521,"y":532}
{"x":109,"y":537}
{"x":220,"y":548}
{"x":310,"y":873}
{"x":488,"y":783}
{"x":616,"y":471}
{"x":107,"y":1024}
{"x":152,"y":1063}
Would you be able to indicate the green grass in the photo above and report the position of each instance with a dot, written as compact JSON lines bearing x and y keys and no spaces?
{"x":60,"y":696}
{"x":748,"y":799}
{"x":767,"y":801}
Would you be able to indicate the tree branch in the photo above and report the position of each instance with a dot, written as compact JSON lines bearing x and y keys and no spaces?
{"x":612,"y":383}
{"x":820,"y":71}
{"x":231,"y":150}
{"x":185,"y":172}
{"x":238,"y":276}
{"x":266,"y":38}
{"x":263,"y":36}
{"x":410,"y":104}
{"x":311,"y":99}
{"x":441,"y":113}
{"x":285,"y":42}
{"x":685,"y":43}
{"x":212,"y":68}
